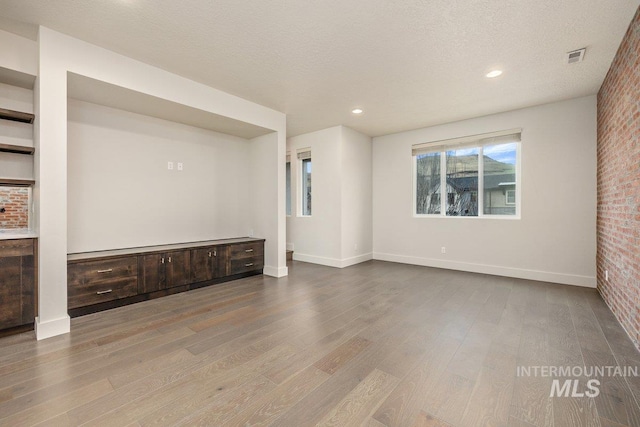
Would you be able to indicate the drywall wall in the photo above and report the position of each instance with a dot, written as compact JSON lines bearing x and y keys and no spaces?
{"x":555,"y":238}
{"x":58,"y":55}
{"x":619,"y":184}
{"x":338,"y":233}
{"x":16,"y":166}
{"x":121,"y":193}
{"x":18,"y":53}
{"x":317,"y":238}
{"x":356,"y":193}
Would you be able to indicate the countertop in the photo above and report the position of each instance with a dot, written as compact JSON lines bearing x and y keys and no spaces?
{"x":9,"y":234}
{"x":159,"y":248}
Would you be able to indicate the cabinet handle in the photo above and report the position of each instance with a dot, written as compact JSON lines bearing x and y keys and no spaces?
{"x":169,"y":259}
{"x":162,"y":260}
{"x":248,"y":265}
{"x":215,"y":253}
{"x":210,"y":254}
{"x":109,"y":270}
{"x":248,"y":250}
{"x":104,"y":292}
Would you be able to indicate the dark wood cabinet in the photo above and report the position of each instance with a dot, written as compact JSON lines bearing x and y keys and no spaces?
{"x":136,"y":276}
{"x":178,"y":268}
{"x":209,"y":263}
{"x":99,"y":281}
{"x":151,"y":273}
{"x":159,"y":271}
{"x":17,"y":282}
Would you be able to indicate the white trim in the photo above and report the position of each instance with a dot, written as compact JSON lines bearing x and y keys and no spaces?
{"x":275,"y":271}
{"x":520,"y":273}
{"x":333,"y":262}
{"x":52,"y":327}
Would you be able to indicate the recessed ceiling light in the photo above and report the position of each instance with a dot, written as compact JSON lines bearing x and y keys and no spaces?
{"x":357,"y":111}
{"x":494,"y":73}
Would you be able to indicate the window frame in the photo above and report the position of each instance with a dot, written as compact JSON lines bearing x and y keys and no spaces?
{"x":288,"y":196}
{"x":442,"y":147}
{"x":302,"y":155}
{"x":506,"y":197}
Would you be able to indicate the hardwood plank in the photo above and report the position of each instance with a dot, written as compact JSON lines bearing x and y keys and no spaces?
{"x":356,"y":406}
{"x":341,"y":355}
{"x":270,"y":406}
{"x":424,"y":419}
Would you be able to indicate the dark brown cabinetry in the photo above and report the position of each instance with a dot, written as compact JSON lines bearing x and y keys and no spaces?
{"x":17,"y":282}
{"x":98,"y":281}
{"x":246,"y":257}
{"x":164,"y":270}
{"x":132,"y":277}
{"x":209,"y":263}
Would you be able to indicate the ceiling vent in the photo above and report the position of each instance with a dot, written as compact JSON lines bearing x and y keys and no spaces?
{"x":576,"y":56}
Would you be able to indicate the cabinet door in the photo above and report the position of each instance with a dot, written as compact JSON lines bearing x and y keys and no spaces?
{"x":202,"y":264}
{"x":151,"y":273}
{"x":221,"y":262}
{"x":178,"y":268}
{"x":10,"y":292}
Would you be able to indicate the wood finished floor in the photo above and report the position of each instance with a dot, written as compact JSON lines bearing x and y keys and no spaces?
{"x":377,"y":344}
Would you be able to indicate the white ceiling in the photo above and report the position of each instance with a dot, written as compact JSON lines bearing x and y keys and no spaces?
{"x":407,"y":63}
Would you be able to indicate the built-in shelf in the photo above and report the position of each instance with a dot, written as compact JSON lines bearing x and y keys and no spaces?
{"x":16,"y":116}
{"x":18,"y":149}
{"x":10,"y":182}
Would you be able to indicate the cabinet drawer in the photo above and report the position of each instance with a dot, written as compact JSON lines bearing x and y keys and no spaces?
{"x":17,"y":247}
{"x":244,"y":265}
{"x":247,"y":250}
{"x":92,"y":282}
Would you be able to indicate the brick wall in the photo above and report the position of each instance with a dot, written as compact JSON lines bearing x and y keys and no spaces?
{"x":15,"y":200}
{"x":618,"y":226}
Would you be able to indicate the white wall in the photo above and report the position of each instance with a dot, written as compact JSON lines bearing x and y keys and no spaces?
{"x":356,"y":196}
{"x":317,"y":238}
{"x":18,"y":53}
{"x":555,"y":238}
{"x":17,"y":166}
{"x":121,"y":194}
{"x":60,"y":54}
{"x":341,"y":198}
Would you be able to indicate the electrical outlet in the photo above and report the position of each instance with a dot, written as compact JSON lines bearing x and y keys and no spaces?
{"x":443,"y":250}
{"x":170,"y":166}
{"x":180,"y":166}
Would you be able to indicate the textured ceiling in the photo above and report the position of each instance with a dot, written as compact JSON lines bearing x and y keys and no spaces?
{"x":407,"y":63}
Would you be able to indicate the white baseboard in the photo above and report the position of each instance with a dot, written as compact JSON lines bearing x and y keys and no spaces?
{"x":332,"y":262}
{"x":52,"y":328}
{"x":520,"y":273}
{"x":275,"y":271}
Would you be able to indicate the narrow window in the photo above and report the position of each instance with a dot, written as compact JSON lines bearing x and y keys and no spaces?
{"x":288,"y":181}
{"x":305,"y":181}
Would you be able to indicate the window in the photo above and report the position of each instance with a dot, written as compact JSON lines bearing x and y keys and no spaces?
{"x":288,"y":181}
{"x":510,"y":197}
{"x":304,"y":157}
{"x":478,"y":176}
